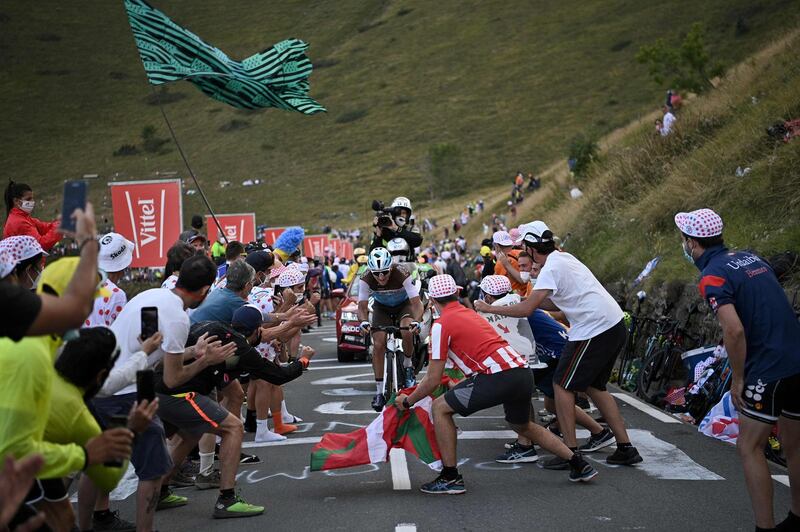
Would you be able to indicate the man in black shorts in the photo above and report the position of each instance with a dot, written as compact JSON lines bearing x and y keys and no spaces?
{"x":496,"y":374}
{"x":762,"y":337}
{"x":596,"y":336}
{"x":395,"y":301}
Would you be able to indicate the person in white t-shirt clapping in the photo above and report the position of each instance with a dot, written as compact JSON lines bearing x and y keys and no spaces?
{"x":596,"y":336}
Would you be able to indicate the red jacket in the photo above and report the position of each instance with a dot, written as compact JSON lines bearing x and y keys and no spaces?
{"x":21,"y":223}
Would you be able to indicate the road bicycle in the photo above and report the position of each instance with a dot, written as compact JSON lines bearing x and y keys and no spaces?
{"x":663,"y":365}
{"x":626,"y":373}
{"x":393,"y":369}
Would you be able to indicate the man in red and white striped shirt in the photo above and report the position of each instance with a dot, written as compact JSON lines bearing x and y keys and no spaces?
{"x":496,"y":375}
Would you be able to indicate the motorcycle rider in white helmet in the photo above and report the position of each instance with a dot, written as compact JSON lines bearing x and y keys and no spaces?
{"x":398,"y":225}
{"x":396,"y":301}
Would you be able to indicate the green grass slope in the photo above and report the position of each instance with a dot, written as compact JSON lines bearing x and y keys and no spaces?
{"x":626,"y":215}
{"x":509,"y":83}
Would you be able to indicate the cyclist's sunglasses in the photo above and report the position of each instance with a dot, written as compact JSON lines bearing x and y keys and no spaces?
{"x":382,"y":273}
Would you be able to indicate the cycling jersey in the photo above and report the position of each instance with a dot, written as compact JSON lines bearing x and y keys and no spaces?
{"x":771,"y":330}
{"x":398,"y":289}
{"x":550,"y":335}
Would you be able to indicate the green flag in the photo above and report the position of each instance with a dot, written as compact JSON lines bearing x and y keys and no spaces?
{"x":276,"y":77}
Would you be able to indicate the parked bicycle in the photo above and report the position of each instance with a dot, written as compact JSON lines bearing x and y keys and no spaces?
{"x":662,"y":365}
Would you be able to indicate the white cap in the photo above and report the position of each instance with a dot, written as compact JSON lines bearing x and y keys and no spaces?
{"x":446,"y":255}
{"x":496,"y":285}
{"x":702,"y":223}
{"x":442,"y":285}
{"x":291,"y":277}
{"x":116,"y":253}
{"x":535,"y":229}
{"x":502,"y":238}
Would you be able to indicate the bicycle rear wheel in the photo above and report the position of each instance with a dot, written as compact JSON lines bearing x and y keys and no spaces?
{"x":658,"y":372}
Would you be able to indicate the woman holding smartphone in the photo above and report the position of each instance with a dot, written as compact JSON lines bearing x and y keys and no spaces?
{"x":19,"y":205}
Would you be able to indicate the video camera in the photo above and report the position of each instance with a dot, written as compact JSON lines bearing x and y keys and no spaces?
{"x":385,"y":216}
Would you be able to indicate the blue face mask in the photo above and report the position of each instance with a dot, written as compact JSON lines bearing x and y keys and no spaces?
{"x":686,"y":254}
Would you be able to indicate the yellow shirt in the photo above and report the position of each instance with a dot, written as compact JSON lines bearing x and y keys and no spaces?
{"x":26,"y":385}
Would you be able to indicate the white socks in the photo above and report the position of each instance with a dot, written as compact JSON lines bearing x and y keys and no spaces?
{"x":263,"y":434}
{"x":286,"y":416}
{"x":206,"y":462}
{"x":379,"y":387}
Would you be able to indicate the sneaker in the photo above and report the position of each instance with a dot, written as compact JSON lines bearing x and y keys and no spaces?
{"x":554,"y":463}
{"x":410,"y":380}
{"x":552,"y":426}
{"x":518,"y":454}
{"x":583,"y":473}
{"x":181,"y":479}
{"x":207,"y":481}
{"x":249,"y":459}
{"x":170,"y":500}
{"x":442,"y":486}
{"x":598,"y":441}
{"x":235,"y":507}
{"x":510,"y":445}
{"x":583,"y":404}
{"x":112,"y":521}
{"x":378,"y":402}
{"x":626,"y":456}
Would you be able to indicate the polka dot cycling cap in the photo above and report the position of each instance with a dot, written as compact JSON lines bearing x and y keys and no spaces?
{"x":16,"y":249}
{"x":702,"y":223}
{"x":496,"y":285}
{"x":442,"y":286}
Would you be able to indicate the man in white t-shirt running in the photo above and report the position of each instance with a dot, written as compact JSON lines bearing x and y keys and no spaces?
{"x":597,"y":334}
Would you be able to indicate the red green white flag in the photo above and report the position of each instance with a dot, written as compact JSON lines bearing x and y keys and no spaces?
{"x":411,"y":430}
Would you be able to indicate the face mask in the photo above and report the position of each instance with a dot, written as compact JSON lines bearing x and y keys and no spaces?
{"x":300,"y":298}
{"x":533,"y":282}
{"x":686,"y":253}
{"x":400,"y":221}
{"x":27,"y":206}
{"x":525,"y":276}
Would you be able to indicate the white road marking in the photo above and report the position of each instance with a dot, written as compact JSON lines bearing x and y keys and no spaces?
{"x":643,"y":407}
{"x":338,"y":408}
{"x":662,"y":460}
{"x":487,"y":435}
{"x":331,"y":339}
{"x":341,"y":367}
{"x":783,"y":479}
{"x":400,"y":478}
{"x":346,"y":379}
{"x":405,"y":527}
{"x":288,"y":441}
{"x":347,"y":392}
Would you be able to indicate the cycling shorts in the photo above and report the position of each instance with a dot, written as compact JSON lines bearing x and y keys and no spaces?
{"x":383,"y":316}
{"x":765,"y":402}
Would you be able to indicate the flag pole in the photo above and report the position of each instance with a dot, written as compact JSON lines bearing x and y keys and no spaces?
{"x":186,"y":162}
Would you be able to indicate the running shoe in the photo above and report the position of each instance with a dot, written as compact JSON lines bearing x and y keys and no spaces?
{"x":378,"y":402}
{"x":410,"y":380}
{"x":583,"y":404}
{"x":598,"y":441}
{"x":249,"y":459}
{"x":442,"y":486}
{"x":626,"y":456}
{"x":518,"y":454}
{"x":554,"y":463}
{"x":207,"y":481}
{"x":112,"y":521}
{"x":582,"y":473}
{"x":235,"y":506}
{"x":181,"y":479}
{"x":170,"y":500}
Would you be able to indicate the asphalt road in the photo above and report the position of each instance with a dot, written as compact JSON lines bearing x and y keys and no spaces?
{"x":686,"y":482}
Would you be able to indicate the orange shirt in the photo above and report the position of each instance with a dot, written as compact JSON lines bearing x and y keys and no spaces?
{"x":499,"y":269}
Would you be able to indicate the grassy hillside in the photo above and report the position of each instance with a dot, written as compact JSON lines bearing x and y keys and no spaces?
{"x":508,"y":83}
{"x":626,"y":215}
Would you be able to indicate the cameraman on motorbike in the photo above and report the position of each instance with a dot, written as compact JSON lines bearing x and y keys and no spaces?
{"x":395,"y":301}
{"x":395,"y":222}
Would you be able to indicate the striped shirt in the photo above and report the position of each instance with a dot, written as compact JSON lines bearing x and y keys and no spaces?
{"x":471,"y":343}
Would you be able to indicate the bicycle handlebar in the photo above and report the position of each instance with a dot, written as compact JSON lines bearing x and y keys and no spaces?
{"x":389,"y":328}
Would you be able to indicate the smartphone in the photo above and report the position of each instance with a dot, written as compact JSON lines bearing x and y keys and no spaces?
{"x":74,"y":198}
{"x":116,"y":422}
{"x":145,"y":385}
{"x":149,"y":322}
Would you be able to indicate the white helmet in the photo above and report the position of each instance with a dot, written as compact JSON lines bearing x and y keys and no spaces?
{"x":398,"y":248}
{"x":401,"y":202}
{"x":379,"y":260}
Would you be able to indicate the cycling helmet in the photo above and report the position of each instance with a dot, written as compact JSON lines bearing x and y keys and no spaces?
{"x":379,"y":260}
